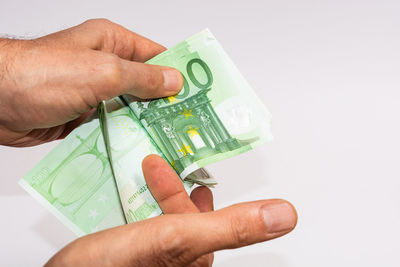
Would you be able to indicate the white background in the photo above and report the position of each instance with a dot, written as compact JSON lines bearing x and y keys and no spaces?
{"x":329,"y":73}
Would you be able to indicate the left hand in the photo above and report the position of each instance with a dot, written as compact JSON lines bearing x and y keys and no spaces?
{"x":50,"y":84}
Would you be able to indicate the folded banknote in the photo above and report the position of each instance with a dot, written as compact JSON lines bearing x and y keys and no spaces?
{"x":215,"y":116}
{"x":93,"y":179}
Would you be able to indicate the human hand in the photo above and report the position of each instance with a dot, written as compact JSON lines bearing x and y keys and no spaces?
{"x":50,"y":84}
{"x":188,"y":233}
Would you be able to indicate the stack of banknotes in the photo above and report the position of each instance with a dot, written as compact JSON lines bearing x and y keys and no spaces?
{"x":93,"y":179}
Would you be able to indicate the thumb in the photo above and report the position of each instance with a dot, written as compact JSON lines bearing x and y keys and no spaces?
{"x":145,"y":81}
{"x":232,"y":227}
{"x":149,"y":81}
{"x":180,"y":239}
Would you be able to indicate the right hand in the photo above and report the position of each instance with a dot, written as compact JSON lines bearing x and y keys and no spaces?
{"x":188,"y":233}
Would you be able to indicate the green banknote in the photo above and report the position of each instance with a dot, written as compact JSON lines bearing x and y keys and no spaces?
{"x":75,"y":182}
{"x":93,"y":179}
{"x":215,"y":116}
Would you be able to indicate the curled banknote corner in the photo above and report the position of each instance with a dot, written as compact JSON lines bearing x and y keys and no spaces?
{"x":93,"y":179}
{"x":201,"y":177}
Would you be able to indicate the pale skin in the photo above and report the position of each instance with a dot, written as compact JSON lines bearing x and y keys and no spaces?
{"x":47,"y":88}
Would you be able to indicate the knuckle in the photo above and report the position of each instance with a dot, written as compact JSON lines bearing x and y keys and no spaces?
{"x":173,"y":242}
{"x":239,"y":231}
{"x":203,"y":261}
{"x":112,"y":72}
{"x":98,"y":22}
{"x":152,"y":81}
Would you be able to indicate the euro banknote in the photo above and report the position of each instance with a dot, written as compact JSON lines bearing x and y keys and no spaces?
{"x":93,"y":179}
{"x":216,"y":115}
{"x":75,"y":182}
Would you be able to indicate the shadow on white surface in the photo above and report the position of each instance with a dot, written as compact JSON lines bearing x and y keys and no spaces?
{"x":254,"y":260}
{"x":10,"y":187}
{"x":15,"y":164}
{"x":53,"y":232}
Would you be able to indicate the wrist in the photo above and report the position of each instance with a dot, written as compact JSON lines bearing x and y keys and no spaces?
{"x":8,"y":50}
{"x":3,"y":55}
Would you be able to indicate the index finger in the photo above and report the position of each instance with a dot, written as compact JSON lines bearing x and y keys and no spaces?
{"x":104,"y":35}
{"x":166,"y":186}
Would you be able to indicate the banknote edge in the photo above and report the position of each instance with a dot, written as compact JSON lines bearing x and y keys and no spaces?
{"x":172,"y":49}
{"x":61,"y":217}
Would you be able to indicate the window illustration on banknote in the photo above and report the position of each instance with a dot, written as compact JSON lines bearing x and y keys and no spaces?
{"x":189,"y":130}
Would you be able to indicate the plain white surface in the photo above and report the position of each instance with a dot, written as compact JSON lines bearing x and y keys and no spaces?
{"x":329,"y":73}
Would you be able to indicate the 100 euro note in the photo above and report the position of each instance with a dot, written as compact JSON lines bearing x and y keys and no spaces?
{"x":86,"y":189}
{"x":75,"y":182}
{"x":215,"y":116}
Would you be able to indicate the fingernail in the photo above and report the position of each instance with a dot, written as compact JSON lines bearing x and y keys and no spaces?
{"x":279,"y":217}
{"x":172,"y":80}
